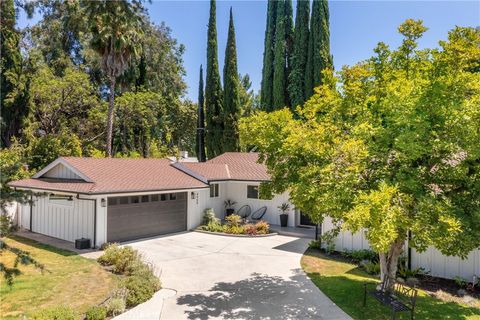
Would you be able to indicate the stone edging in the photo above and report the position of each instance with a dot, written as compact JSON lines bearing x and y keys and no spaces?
{"x":237,"y":235}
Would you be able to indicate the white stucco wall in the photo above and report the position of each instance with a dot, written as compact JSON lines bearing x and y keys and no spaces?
{"x":237,"y":191}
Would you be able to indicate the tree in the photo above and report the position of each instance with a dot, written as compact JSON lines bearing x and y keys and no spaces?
{"x":296,"y":87}
{"x":200,"y":146}
{"x":249,"y":101}
{"x":268,"y":57}
{"x":231,"y":98}
{"x":279,"y":69}
{"x":390,"y":146}
{"x":213,"y":91}
{"x":115,"y":28}
{"x":319,"y":57}
{"x":13,"y":87}
{"x":289,"y":34}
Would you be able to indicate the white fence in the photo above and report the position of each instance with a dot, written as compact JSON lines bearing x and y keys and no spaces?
{"x":431,"y":260}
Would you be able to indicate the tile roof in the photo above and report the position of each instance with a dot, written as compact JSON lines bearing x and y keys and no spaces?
{"x":123,"y":175}
{"x":115,"y":175}
{"x":231,"y":166}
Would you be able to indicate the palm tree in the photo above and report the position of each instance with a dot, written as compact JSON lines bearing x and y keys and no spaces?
{"x":116,"y":28}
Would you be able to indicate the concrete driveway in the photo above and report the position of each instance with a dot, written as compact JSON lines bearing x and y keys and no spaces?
{"x":218,"y":277}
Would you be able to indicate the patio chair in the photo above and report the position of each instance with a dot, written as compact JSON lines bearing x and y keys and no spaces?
{"x":258,"y":214}
{"x":244,"y":211}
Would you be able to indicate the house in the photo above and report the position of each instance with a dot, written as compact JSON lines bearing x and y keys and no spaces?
{"x":118,"y":199}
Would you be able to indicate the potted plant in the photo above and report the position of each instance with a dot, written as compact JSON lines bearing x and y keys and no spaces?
{"x":229,"y":207}
{"x":284,"y":214}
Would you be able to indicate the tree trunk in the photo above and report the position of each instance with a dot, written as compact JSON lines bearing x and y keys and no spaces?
{"x":111,"y":105}
{"x":389,"y":261}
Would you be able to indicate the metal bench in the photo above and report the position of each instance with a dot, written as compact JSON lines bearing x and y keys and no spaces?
{"x":398,"y":297}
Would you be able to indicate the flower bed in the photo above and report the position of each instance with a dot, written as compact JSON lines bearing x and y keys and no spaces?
{"x":234,"y":225}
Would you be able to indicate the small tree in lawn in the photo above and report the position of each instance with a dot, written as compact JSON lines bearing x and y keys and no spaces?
{"x":391,"y":145}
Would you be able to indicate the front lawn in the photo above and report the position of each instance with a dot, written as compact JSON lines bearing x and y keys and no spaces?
{"x":343,"y":283}
{"x":68,"y":279}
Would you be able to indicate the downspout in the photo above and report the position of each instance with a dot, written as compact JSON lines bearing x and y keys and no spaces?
{"x":94,"y":218}
{"x":31,"y":210}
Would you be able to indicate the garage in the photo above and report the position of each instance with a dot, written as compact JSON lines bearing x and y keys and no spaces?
{"x":134,"y":217}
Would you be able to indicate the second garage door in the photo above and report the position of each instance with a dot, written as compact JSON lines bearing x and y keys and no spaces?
{"x":137,"y":217}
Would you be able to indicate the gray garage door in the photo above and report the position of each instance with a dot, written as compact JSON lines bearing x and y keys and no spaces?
{"x":137,"y":217}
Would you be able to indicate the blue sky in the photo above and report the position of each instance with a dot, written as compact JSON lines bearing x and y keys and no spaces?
{"x":355,"y":27}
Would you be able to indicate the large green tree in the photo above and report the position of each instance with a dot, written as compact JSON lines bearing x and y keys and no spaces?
{"x":116,"y":27}
{"x":319,"y":57}
{"x":296,"y":86}
{"x":268,"y":57}
{"x":231,"y":98}
{"x":279,"y":99}
{"x":390,"y":146}
{"x":289,"y":36}
{"x":200,"y":142}
{"x":14,"y":85}
{"x":213,"y":90}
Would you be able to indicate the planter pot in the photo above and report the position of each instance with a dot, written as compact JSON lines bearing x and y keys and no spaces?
{"x":283,"y":220}
{"x":229,"y":212}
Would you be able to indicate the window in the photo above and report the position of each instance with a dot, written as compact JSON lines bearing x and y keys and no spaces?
{"x":60,"y":199}
{"x":154,"y":197}
{"x":173,"y":196}
{"x":163,"y":197}
{"x":252,"y":192}
{"x":144,"y":198}
{"x":214,"y":190}
{"x":112,"y":201}
{"x":123,"y":200}
{"x":134,"y":200}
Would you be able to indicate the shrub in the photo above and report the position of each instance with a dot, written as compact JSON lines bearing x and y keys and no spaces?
{"x":314,"y":244}
{"x":214,"y":226}
{"x":328,"y":239}
{"x":234,"y":229}
{"x":405,"y":273}
{"x":233,"y":220}
{"x":251,"y":229}
{"x":115,"y":306}
{"x":361,"y":255}
{"x":141,"y":287}
{"x":209,"y":217}
{"x":372,"y":267}
{"x":262,"y":227}
{"x":96,"y":313}
{"x":56,"y":313}
{"x":122,"y":259}
{"x":461,"y":282}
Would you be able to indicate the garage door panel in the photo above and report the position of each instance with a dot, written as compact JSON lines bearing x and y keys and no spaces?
{"x":145,"y":219}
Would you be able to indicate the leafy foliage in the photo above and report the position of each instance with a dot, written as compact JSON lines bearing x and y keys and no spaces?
{"x":268,"y":56}
{"x":56,"y":313}
{"x":96,"y":313}
{"x":381,"y":146}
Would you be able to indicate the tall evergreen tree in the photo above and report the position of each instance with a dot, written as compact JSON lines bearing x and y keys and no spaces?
{"x":279,"y":68}
{"x":231,"y":98}
{"x":266,"y":99}
{"x":319,"y":57}
{"x":200,"y":146}
{"x":13,"y":97}
{"x":213,"y":91}
{"x":289,"y":34}
{"x":296,"y":87}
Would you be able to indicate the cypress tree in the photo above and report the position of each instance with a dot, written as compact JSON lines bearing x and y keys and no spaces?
{"x":319,"y":57}
{"x":200,"y":143}
{"x":266,"y":97}
{"x":13,"y":104}
{"x":296,"y":87}
{"x":231,"y":96}
{"x":213,"y":91}
{"x":279,"y":79}
{"x":289,"y":34}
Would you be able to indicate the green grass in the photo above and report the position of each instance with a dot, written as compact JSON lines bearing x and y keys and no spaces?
{"x":68,"y":280}
{"x":343,"y":283}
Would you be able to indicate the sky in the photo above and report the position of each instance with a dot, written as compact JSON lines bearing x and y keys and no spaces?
{"x":355,"y":29}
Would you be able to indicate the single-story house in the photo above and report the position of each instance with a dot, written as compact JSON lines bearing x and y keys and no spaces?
{"x":118,"y":199}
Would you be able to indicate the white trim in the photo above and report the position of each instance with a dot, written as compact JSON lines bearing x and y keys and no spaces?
{"x":66,"y":164}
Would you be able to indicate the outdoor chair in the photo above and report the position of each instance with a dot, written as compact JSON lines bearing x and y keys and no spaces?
{"x":258,"y":214}
{"x":244,"y":211}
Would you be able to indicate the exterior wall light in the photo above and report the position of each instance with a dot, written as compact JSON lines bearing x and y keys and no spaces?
{"x":103,"y":202}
